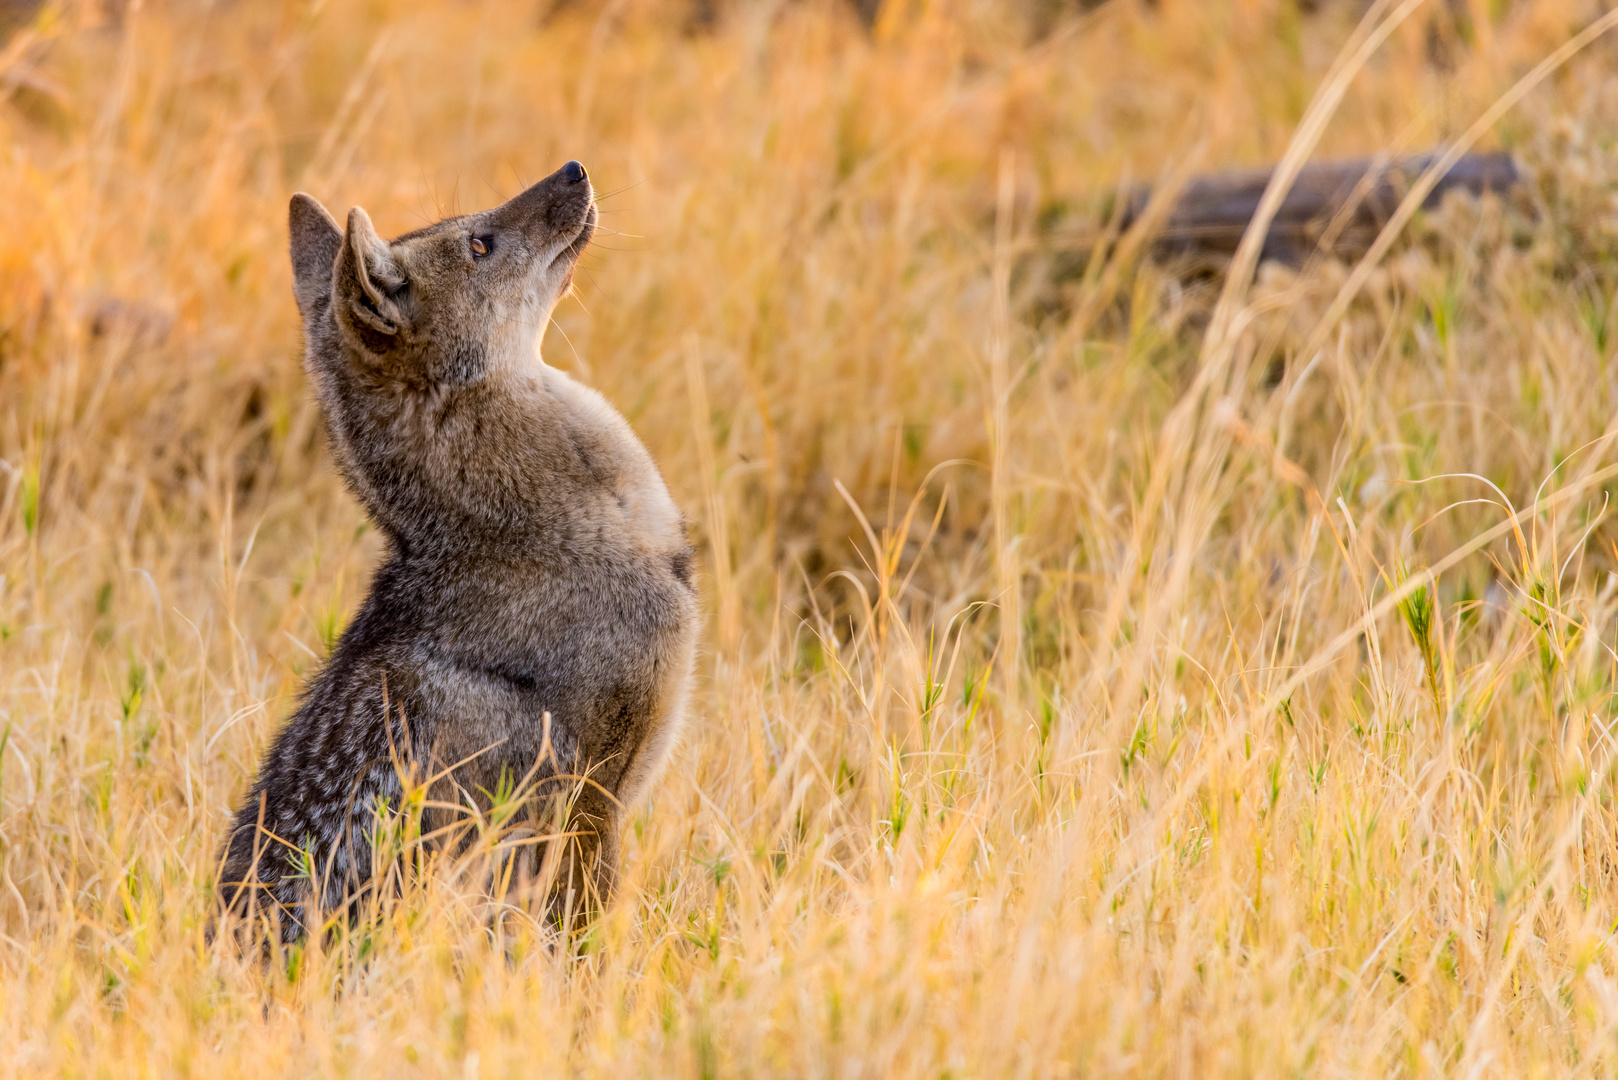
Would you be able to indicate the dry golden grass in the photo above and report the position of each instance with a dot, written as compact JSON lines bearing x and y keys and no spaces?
{"x":1059,"y":712}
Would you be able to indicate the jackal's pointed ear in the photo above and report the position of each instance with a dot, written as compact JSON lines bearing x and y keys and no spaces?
{"x":366,"y":280}
{"x":315,"y":240}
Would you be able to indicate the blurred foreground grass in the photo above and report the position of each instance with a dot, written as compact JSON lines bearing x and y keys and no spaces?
{"x":1057,"y":714}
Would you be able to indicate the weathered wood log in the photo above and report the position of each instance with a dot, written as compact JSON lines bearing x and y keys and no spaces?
{"x":1344,"y":203}
{"x":16,"y":14}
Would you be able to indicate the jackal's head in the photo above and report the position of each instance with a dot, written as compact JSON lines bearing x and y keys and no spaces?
{"x":449,"y":303}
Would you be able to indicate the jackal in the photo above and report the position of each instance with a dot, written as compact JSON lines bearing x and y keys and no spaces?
{"x":534,"y":615}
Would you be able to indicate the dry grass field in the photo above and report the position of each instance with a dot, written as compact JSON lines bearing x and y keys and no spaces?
{"x":1110,"y":667}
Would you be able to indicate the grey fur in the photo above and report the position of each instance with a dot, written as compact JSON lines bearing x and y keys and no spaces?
{"x":535,"y":561}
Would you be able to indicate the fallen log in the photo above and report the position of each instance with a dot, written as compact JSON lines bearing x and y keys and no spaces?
{"x":16,"y":14}
{"x":1343,"y":203}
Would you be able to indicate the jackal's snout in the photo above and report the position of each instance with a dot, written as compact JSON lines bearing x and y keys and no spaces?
{"x":560,"y":207}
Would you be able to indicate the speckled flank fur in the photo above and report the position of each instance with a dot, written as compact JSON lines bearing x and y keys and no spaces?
{"x":535,"y":561}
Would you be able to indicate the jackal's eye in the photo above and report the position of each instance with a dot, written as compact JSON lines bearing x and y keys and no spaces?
{"x":480,"y":247}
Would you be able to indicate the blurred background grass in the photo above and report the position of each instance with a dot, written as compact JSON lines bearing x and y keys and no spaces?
{"x":1054,"y":716}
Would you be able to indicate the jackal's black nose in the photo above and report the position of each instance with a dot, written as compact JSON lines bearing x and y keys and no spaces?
{"x":574,"y":173}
